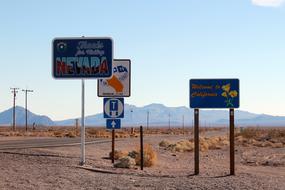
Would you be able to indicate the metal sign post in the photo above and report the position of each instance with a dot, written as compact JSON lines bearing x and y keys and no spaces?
{"x":82,"y":133}
{"x":196,"y":141}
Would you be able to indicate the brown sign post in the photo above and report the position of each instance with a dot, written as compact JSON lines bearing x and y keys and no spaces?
{"x":232,"y":142}
{"x":113,"y":145}
{"x":141,"y":143}
{"x":196,"y":141}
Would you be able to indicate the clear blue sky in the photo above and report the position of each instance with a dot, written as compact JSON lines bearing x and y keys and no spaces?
{"x":169,"y":42}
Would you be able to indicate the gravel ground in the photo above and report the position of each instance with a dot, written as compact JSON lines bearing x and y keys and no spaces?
{"x":57,"y":168}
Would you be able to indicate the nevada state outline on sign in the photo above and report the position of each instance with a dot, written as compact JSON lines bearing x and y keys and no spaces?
{"x":118,"y":85}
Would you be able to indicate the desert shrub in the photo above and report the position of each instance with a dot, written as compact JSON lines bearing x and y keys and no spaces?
{"x":250,"y":133}
{"x":261,"y":137}
{"x":58,"y":133}
{"x":4,"y":134}
{"x":275,"y":133}
{"x":188,"y":145}
{"x":203,"y":145}
{"x":118,"y":154}
{"x":99,"y":133}
{"x":181,"y":146}
{"x":125,"y":162}
{"x":184,"y":146}
{"x":92,"y":131}
{"x":133,"y":154}
{"x":164,"y":143}
{"x":134,"y":135}
{"x":70,"y":134}
{"x":149,"y":156}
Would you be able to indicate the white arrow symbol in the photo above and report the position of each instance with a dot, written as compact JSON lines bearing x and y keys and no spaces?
{"x":113,"y":124}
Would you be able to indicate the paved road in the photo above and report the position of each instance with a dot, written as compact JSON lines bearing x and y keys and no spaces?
{"x":47,"y":142}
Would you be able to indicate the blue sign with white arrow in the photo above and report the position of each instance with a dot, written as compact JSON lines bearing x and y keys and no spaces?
{"x":113,"y":124}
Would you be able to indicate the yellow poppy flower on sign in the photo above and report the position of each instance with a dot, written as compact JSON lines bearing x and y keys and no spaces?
{"x":233,"y":93}
{"x":226,"y":87}
{"x":224,"y":94}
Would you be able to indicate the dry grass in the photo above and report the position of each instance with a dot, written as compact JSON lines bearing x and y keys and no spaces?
{"x":261,"y":137}
{"x":149,"y":156}
{"x":118,"y":154}
{"x":188,"y":145}
{"x":178,"y":131}
{"x":95,"y":132}
{"x":69,"y":132}
{"x":164,"y":143}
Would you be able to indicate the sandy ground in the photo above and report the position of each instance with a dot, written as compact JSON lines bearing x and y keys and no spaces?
{"x":57,"y":168}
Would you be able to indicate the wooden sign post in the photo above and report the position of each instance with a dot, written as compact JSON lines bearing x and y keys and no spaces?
{"x":113,"y":146}
{"x":232,"y":142}
{"x":196,"y":141}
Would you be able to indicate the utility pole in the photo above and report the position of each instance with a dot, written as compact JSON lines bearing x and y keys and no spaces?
{"x":132,"y":117}
{"x":169,"y":121}
{"x":183,"y":123}
{"x":147,"y":120}
{"x":14,"y":91}
{"x":26,"y":105}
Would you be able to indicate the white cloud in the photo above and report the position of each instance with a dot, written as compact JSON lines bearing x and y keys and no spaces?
{"x":268,"y":3}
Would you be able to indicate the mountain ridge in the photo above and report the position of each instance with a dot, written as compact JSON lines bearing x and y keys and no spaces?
{"x":7,"y":115}
{"x":159,"y":115}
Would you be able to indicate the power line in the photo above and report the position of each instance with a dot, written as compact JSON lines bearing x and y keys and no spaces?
{"x":14,"y":91}
{"x":26,"y":105}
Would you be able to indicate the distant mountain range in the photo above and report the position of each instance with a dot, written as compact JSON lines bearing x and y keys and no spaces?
{"x":6,"y":118}
{"x":159,"y":115}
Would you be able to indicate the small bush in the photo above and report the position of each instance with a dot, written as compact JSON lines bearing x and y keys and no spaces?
{"x":262,"y":137}
{"x":184,"y":146}
{"x":133,"y":154}
{"x":58,"y":133}
{"x":164,"y":143}
{"x":71,"y":134}
{"x":149,"y":158}
{"x":125,"y":162}
{"x":188,"y":145}
{"x":118,"y":154}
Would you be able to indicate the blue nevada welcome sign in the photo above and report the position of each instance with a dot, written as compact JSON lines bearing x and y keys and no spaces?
{"x":82,"y":57}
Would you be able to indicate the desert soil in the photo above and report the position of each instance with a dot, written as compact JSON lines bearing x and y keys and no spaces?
{"x":58,"y":168}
